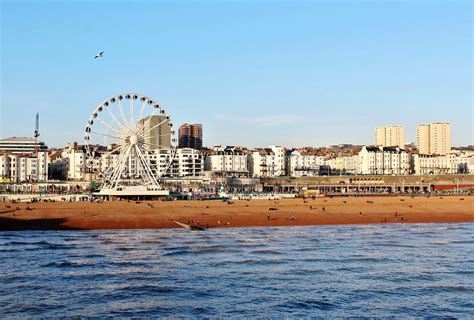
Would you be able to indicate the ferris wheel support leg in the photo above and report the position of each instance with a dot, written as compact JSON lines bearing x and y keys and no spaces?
{"x":107,"y":155}
{"x":147,"y":167}
{"x":121,"y":168}
{"x":140,"y":166}
{"x":144,"y":171}
{"x":116,"y":174}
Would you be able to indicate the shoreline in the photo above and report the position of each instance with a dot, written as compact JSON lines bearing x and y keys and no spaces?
{"x":235,"y":213}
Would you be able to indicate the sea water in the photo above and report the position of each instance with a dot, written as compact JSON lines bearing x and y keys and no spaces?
{"x":402,"y":270}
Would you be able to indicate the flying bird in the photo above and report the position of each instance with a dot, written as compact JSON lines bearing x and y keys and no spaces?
{"x":100,"y":55}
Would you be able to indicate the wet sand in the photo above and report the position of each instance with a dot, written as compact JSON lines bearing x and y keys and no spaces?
{"x":238,"y":213}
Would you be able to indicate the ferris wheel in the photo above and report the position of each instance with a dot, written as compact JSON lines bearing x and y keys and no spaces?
{"x":140,"y":141}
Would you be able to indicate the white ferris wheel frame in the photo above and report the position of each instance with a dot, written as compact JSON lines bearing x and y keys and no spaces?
{"x":132,"y":138}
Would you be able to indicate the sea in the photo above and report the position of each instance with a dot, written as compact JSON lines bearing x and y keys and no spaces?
{"x":384,"y":270}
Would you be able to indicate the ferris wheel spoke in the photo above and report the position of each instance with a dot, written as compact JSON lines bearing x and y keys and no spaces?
{"x":142,"y":127}
{"x":142,"y":134}
{"x":122,"y":114}
{"x":148,"y":145}
{"x":107,"y":135}
{"x":132,"y":113}
{"x":151,"y":115}
{"x":117,"y":122}
{"x":120,"y":147}
{"x":149,"y":136}
{"x":108,"y":126}
{"x":142,"y":108}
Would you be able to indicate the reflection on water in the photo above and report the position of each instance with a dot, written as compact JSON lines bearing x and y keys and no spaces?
{"x":331,"y":271}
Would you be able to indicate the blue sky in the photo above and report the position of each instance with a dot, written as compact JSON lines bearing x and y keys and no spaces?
{"x":255,"y":73}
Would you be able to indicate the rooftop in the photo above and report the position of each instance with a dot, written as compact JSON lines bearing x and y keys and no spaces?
{"x":18,"y":139}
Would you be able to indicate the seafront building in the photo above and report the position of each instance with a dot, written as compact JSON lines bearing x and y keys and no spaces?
{"x":227,"y":160}
{"x":434,"y":138}
{"x":267,"y":162}
{"x":21,"y":145}
{"x":378,"y":160}
{"x":303,"y":163}
{"x":68,"y":164}
{"x":187,"y":163}
{"x":390,"y":136}
{"x":24,"y":167}
{"x":452,"y":163}
{"x":231,"y":161}
{"x":26,"y":160}
{"x":348,"y":164}
{"x":75,"y":164}
{"x":23,"y":159}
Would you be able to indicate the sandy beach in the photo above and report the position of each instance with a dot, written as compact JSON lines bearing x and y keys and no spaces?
{"x":241,"y":213}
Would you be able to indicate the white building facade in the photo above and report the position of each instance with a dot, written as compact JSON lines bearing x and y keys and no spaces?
{"x":380,"y":161}
{"x":452,"y":163}
{"x":24,"y":168}
{"x":301,"y":164}
{"x":227,"y":160}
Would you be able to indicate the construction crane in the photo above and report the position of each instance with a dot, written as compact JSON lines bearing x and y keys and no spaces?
{"x":37,"y":133}
{"x":36,"y":149}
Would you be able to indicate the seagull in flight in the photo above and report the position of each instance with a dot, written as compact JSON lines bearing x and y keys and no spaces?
{"x":99,"y":55}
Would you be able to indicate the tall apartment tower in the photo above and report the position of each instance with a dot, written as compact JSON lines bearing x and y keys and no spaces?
{"x":390,"y":136}
{"x":160,"y":131}
{"x":434,"y":138}
{"x":423,"y":138}
{"x":190,"y":136}
{"x":380,"y":137}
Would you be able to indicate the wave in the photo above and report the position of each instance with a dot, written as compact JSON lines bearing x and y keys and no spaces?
{"x":273,"y":252}
{"x":305,"y":304}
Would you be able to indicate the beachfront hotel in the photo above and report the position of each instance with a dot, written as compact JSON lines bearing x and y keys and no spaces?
{"x":390,"y":136}
{"x":434,"y":138}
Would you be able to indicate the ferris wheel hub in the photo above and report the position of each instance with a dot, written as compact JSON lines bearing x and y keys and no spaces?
{"x":133,"y":139}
